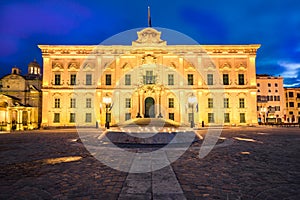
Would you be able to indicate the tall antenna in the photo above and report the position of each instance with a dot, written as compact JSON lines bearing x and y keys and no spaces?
{"x":149,"y":17}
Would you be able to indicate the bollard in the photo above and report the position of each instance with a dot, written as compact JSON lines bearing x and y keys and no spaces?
{"x":202,"y":123}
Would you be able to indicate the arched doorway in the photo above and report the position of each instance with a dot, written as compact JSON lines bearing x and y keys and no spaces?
{"x":149,"y":108}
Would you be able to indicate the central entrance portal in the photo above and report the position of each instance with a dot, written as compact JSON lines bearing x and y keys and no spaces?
{"x":149,"y":108}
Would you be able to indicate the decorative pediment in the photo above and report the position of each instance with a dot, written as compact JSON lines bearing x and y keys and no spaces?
{"x":149,"y":37}
{"x":149,"y":59}
{"x":88,"y":66}
{"x":241,"y":67}
{"x":73,"y":65}
{"x":57,"y":66}
{"x":225,"y":66}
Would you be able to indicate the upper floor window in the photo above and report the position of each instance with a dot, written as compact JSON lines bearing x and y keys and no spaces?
{"x":57,"y":103}
{"x":225,"y":79}
{"x":210,"y":102}
{"x":149,"y":78}
{"x":291,"y":94}
{"x":108,"y":79}
{"x":226,"y":102}
{"x":210,"y":79}
{"x":73,"y":79}
{"x":269,"y":84}
{"x":88,"y":79}
{"x":88,"y":103}
{"x":171,"y":102}
{"x":258,"y":84}
{"x":127,"y":103}
{"x":276,"y":85}
{"x":57,"y":79}
{"x":190,"y":79}
{"x":291,"y":104}
{"x":72,"y":103}
{"x":127,"y":79}
{"x":242,"y":103}
{"x":298,"y":95}
{"x":241,"y":79}
{"x":170,"y":79}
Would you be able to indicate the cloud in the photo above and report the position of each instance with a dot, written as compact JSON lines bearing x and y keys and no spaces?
{"x":291,"y":70}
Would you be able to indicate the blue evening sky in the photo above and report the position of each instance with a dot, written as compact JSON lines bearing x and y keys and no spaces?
{"x":273,"y":24}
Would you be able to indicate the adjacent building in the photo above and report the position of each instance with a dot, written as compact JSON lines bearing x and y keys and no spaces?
{"x":270,"y":99}
{"x":85,"y":85}
{"x":21,"y":99}
{"x":292,"y":96}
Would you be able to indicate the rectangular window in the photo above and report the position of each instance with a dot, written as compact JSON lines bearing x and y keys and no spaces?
{"x":190,"y":79}
{"x":226,"y":102}
{"x":57,"y":79}
{"x":56,"y":118}
{"x":171,"y":116}
{"x":226,"y":118}
{"x":108,"y":79}
{"x":73,"y":79}
{"x":276,"y":85}
{"x":291,"y":104}
{"x":291,"y":94}
{"x":210,"y":102}
{"x":72,"y":103}
{"x":88,"y":79}
{"x":298,"y":105}
{"x":211,"y":118}
{"x":269,"y":84}
{"x":127,"y":79}
{"x":127,"y":116}
{"x":72,"y":117}
{"x":241,"y":79}
{"x":88,"y":103}
{"x":291,"y":113}
{"x":225,"y":79}
{"x":242,"y":103}
{"x":170,"y":79}
{"x":127,"y":103}
{"x":171,"y":102}
{"x":56,"y":103}
{"x":190,"y":117}
{"x":210,"y":79}
{"x":242,"y":118}
{"x":298,"y":95}
{"x":149,"y":78}
{"x":88,"y":117}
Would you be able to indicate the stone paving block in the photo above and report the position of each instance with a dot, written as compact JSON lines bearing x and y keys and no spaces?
{"x":170,"y":196}
{"x":137,"y":187}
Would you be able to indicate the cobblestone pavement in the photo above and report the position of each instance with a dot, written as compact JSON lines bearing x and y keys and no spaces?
{"x":247,"y":163}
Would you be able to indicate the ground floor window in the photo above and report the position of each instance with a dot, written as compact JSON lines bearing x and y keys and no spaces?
{"x":211,"y":118}
{"x":226,"y":118}
{"x":171,"y":116}
{"x":88,"y":117}
{"x":56,"y":118}
{"x":242,"y":118}
{"x":72,"y":117}
{"x":127,"y":116}
{"x":190,"y":117}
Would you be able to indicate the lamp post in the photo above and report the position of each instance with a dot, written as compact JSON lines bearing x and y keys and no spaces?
{"x":192,"y":100}
{"x":107,"y":102}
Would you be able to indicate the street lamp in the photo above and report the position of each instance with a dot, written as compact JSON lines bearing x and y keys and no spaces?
{"x":107,"y":102}
{"x":192,"y":100}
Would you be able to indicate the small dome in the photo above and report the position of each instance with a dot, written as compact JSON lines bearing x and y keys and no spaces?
{"x":34,"y":64}
{"x":34,"y":67}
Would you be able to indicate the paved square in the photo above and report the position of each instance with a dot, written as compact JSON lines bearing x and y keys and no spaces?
{"x":246,"y":163}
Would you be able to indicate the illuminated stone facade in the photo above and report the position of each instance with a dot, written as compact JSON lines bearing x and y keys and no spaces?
{"x":270,"y":99}
{"x":149,"y":79}
{"x":21,"y":99}
{"x":292,"y":96}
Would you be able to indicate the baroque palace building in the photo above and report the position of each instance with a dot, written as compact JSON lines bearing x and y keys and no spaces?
{"x":213,"y":84}
{"x":21,"y":99}
{"x":292,"y":96}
